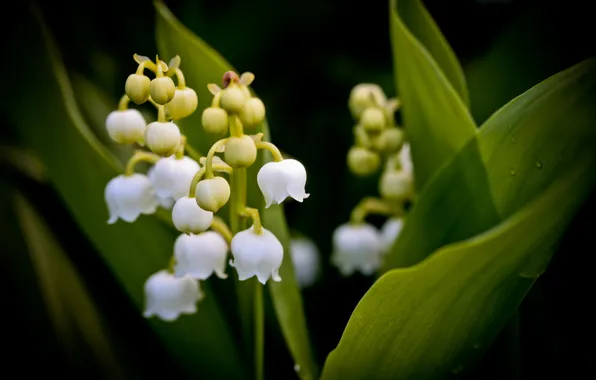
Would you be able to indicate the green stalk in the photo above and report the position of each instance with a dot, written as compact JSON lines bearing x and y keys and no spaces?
{"x":259,"y":321}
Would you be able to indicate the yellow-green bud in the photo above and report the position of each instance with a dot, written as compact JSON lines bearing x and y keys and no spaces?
{"x":162,"y":138}
{"x":162,"y":90}
{"x":253,"y":112}
{"x":361,"y":137}
{"x":388,"y":141}
{"x":212,"y":194}
{"x":396,"y":185}
{"x":362,"y":161}
{"x":241,"y":152}
{"x":183,"y":104}
{"x":232,"y":99}
{"x":215,"y":120}
{"x":363,"y":96}
{"x":373,"y":119}
{"x":137,"y":88}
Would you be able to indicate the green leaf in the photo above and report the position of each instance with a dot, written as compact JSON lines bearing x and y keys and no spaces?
{"x":79,"y":168}
{"x":203,"y":65}
{"x":433,"y":319}
{"x":428,"y":79}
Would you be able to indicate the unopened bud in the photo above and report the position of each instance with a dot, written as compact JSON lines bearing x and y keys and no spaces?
{"x":137,"y":88}
{"x":253,"y":112}
{"x":233,"y":99}
{"x":363,"y":96}
{"x":362,"y":161}
{"x":397,"y":185}
{"x":373,"y":119}
{"x":162,"y":138}
{"x":212,"y":194}
{"x":215,"y":120}
{"x":183,"y":104}
{"x":241,"y":152}
{"x":388,"y":141}
{"x":162,"y":90}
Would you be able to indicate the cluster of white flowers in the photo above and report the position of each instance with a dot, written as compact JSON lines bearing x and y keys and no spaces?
{"x":190,"y":188}
{"x":357,"y":245}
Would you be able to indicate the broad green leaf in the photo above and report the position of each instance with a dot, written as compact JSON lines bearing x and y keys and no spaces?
{"x":431,"y":320}
{"x":79,"y":168}
{"x":428,"y":79}
{"x":69,"y":303}
{"x":203,"y":65}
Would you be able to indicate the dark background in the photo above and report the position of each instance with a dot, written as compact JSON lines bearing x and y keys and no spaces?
{"x":307,"y":56}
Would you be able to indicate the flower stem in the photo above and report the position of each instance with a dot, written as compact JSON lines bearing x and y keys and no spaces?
{"x":140,"y":156}
{"x":181,"y":81}
{"x":253,"y":213}
{"x":259,"y":327}
{"x":277,"y":156}
{"x":209,"y":160}
{"x":370,"y":206}
{"x":192,"y":152}
{"x":219,"y":226}
{"x":123,"y":104}
{"x":236,"y":129}
{"x":161,"y":114}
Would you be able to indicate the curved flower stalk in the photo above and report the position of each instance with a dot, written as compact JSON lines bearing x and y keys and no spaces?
{"x":379,"y":144}
{"x":196,"y":187}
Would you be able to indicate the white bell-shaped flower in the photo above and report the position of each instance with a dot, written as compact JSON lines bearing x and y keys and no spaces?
{"x":188,"y":217}
{"x":305,"y":257}
{"x":129,"y":196}
{"x":200,"y":255}
{"x":258,"y":255}
{"x":390,"y":231}
{"x":167,"y":296}
{"x":282,"y":179}
{"x":356,"y":247}
{"x":165,"y":202}
{"x":126,"y":126}
{"x":171,"y":177}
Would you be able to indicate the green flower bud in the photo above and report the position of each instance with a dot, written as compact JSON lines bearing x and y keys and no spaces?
{"x":363,"y":96}
{"x":233,"y":99}
{"x":253,"y":112}
{"x":373,"y":119}
{"x":388,"y":141}
{"x":241,"y":152}
{"x":162,"y":90}
{"x":212,"y":194}
{"x":215,"y":120}
{"x":162,"y":138}
{"x":396,"y":185}
{"x":137,"y":88}
{"x":361,"y":137}
{"x":183,"y":104}
{"x":362,"y":161}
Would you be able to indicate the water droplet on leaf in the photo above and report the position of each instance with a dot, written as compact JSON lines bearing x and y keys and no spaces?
{"x":539,"y":164}
{"x":512,"y":171}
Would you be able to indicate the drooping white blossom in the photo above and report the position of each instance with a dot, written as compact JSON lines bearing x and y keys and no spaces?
{"x":356,"y":247}
{"x":188,"y":217}
{"x":201,"y":255}
{"x":167,"y":296}
{"x":305,"y":257}
{"x":258,"y":255}
{"x":171,"y":177}
{"x":128,"y":197}
{"x":279,"y":180}
{"x":126,"y":126}
{"x":390,"y":231}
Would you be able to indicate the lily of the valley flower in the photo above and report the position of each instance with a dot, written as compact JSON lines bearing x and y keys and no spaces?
{"x":167,"y":296}
{"x":356,"y":247}
{"x":258,"y":255}
{"x":188,"y":217}
{"x":171,"y":177}
{"x":128,"y":197}
{"x":405,"y":159}
{"x":305,"y":257}
{"x":279,"y":180}
{"x":390,"y":231}
{"x":126,"y":126}
{"x":200,"y":255}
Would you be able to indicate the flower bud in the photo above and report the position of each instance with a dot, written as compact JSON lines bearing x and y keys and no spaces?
{"x":241,"y":152}
{"x":253,"y":112}
{"x":233,"y":99}
{"x":162,"y":138}
{"x":356,"y":248}
{"x":362,"y":161}
{"x":373,"y":119}
{"x":215,"y":120}
{"x":137,"y":88}
{"x":183,"y":104}
{"x":212,"y":194}
{"x":188,"y":217}
{"x":361,"y":138}
{"x":126,"y":126}
{"x":396,"y":185}
{"x":162,"y":90}
{"x":363,"y":96}
{"x":388,"y":141}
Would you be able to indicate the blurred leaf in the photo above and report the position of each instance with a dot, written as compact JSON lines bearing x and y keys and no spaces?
{"x":428,"y":79}
{"x":80,"y":167}
{"x":203,"y":65}
{"x":431,"y":320}
{"x":24,"y":161}
{"x":69,"y":303}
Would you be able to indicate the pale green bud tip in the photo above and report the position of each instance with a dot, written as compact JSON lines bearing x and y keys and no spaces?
{"x":373,"y":119}
{"x":137,"y":88}
{"x":183,"y":104}
{"x":396,"y":185}
{"x":241,"y":152}
{"x":253,"y":112}
{"x":362,"y":161}
{"x":388,"y":141}
{"x":162,"y":138}
{"x":162,"y":90}
{"x":233,"y":99}
{"x":365,"y":95}
{"x":212,"y":194}
{"x":215,"y":120}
